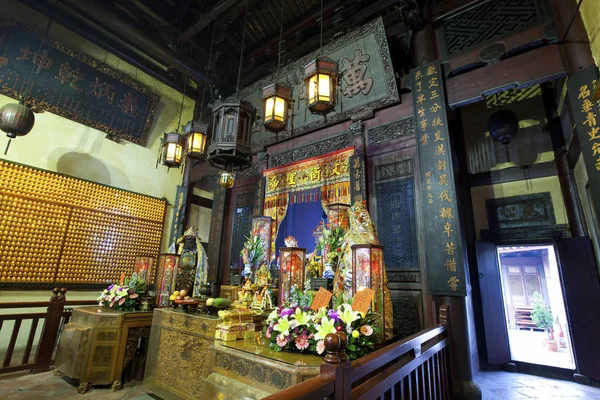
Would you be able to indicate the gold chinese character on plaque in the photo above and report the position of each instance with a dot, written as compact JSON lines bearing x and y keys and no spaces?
{"x":453,"y":283}
{"x":431,"y":70}
{"x":428,"y":173}
{"x":593,"y":134}
{"x":273,"y":183}
{"x":423,"y":123}
{"x":419,"y":86}
{"x":445,"y":196}
{"x":441,"y":165}
{"x":437,"y":121}
{"x":444,"y":180}
{"x":424,"y":139}
{"x":587,"y":106}
{"x":439,"y":150}
{"x":433,"y":83}
{"x":596,"y":149}
{"x":66,"y":73}
{"x":434,"y":95}
{"x":421,"y":112}
{"x":418,"y":75}
{"x":421,"y":99}
{"x":129,"y":105}
{"x":450,"y":248}
{"x":435,"y":107}
{"x":438,"y":136}
{"x":450,"y":264}
{"x":584,"y":92}
{"x":446,"y":212}
{"x":448,"y":228}
{"x":291,"y":178}
{"x":102,"y":89}
{"x":590,"y":119}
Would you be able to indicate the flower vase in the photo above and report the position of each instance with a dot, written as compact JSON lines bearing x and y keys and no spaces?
{"x":247,"y":272}
{"x":328,"y":273}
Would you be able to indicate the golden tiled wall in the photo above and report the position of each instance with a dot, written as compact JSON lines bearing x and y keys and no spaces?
{"x":56,"y":228}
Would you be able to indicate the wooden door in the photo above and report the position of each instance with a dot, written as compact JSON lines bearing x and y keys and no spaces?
{"x":494,"y":320}
{"x":579,"y":277}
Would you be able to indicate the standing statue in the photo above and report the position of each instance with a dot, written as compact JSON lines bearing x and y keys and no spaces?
{"x":361,"y":231}
{"x":193,"y":263}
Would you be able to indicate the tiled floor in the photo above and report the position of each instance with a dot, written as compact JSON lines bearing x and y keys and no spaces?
{"x":498,"y":385}
{"x":47,"y":386}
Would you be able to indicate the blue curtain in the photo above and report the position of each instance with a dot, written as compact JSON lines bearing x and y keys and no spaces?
{"x":300,"y":221}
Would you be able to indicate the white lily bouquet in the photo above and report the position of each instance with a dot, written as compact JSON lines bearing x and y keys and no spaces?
{"x":296,"y":327}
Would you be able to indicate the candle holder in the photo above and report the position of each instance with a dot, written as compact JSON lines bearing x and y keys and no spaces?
{"x":291,"y":271}
{"x":168,"y":264}
{"x":367,"y":272}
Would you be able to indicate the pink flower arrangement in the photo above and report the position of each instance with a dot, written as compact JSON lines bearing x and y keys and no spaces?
{"x":302,"y":341}
{"x":123,"y":297}
{"x":366,"y":330}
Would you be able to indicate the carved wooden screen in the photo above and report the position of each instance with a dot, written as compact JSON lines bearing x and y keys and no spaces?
{"x":242,"y":224}
{"x":56,"y":229}
{"x":393,"y":206}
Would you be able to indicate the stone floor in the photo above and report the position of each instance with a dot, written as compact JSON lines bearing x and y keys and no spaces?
{"x":47,"y":386}
{"x":499,"y":385}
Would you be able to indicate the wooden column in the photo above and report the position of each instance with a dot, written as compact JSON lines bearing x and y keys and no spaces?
{"x":424,"y":52}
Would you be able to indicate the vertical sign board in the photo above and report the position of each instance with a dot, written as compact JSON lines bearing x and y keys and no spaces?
{"x":443,"y":253}
{"x":178,"y":210}
{"x":581,"y":88}
{"x":357,"y":178}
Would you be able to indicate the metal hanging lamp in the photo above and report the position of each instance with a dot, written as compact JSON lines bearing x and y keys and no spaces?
{"x":230,"y":147}
{"x":320,"y":80}
{"x":276,"y":98}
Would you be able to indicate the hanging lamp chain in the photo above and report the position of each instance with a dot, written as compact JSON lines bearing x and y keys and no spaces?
{"x":212,"y":40}
{"x":237,"y":87}
{"x":280,"y":37}
{"x":321,"y":45}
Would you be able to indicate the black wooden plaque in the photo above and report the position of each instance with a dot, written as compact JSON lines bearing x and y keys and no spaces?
{"x":443,"y":249}
{"x":358,"y":187}
{"x":581,"y":88}
{"x":72,"y":85}
{"x":178,"y":214}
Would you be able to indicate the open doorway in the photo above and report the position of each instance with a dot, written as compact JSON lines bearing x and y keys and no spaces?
{"x":535,"y":315}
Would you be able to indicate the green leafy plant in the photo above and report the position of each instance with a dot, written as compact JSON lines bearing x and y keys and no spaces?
{"x":331,"y":243}
{"x":125,"y":297}
{"x":541,"y":314}
{"x":254,"y":249}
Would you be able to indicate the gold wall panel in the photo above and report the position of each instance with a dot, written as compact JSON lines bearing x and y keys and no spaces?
{"x":59,"y":229}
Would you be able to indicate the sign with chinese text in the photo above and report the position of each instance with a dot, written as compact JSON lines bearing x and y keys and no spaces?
{"x":443,"y":255}
{"x":72,"y":85}
{"x":586,"y":113}
{"x":358,"y":186}
{"x":178,"y":214}
{"x":366,"y":74}
{"x":312,"y":173}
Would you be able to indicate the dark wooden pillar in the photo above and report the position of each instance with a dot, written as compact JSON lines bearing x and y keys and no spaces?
{"x":577,"y":55}
{"x":424,"y":52}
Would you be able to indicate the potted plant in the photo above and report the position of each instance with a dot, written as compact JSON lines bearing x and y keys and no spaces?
{"x":330,"y":244}
{"x":252,"y":252}
{"x":542,"y":317}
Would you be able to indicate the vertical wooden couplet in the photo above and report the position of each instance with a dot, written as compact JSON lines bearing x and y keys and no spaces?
{"x":50,"y":331}
{"x":178,"y":214}
{"x":586,"y":113}
{"x":215,"y":241}
{"x":443,"y":244}
{"x":358,"y":183}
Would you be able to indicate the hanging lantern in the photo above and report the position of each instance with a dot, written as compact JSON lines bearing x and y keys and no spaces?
{"x":232,"y":126}
{"x":291,"y":273}
{"x":16,"y":119}
{"x":320,"y":79}
{"x":367,"y":272}
{"x":226,"y":179}
{"x":276,"y":100}
{"x":172,"y":149}
{"x":503,"y":126}
{"x":195,"y":139}
{"x":165,"y":277}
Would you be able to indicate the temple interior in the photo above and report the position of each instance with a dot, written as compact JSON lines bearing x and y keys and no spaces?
{"x":299,"y":199}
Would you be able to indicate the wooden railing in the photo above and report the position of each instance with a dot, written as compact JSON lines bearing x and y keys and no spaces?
{"x":417,"y":367}
{"x":58,"y":314}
